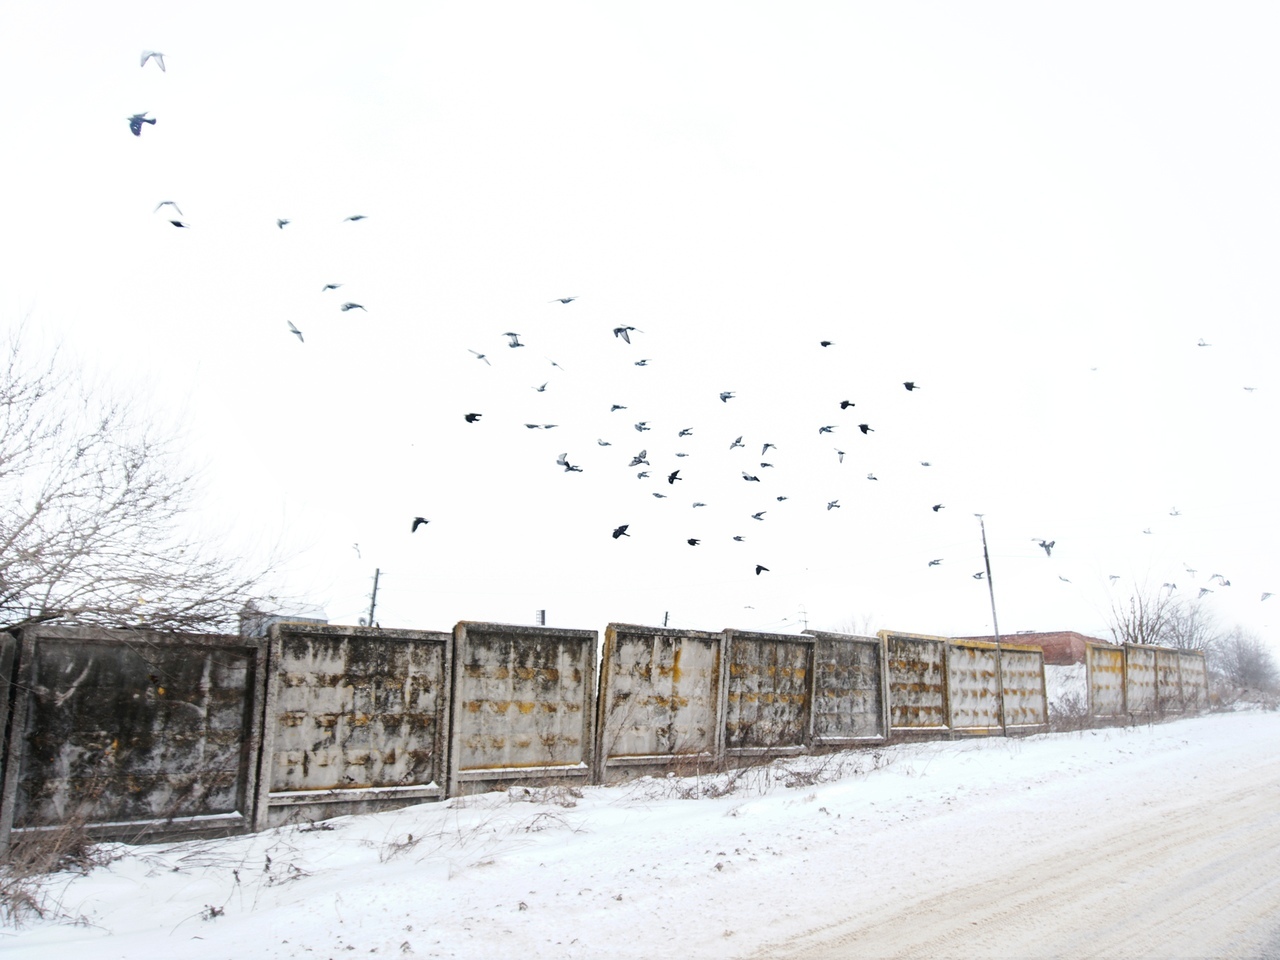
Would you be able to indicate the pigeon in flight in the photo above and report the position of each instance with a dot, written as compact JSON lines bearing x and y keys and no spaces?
{"x":616,"y":407}
{"x":566,"y":300}
{"x":1063,"y":579}
{"x":738,"y":443}
{"x":673,"y":477}
{"x":282,"y":223}
{"x":642,"y":363}
{"x":480,"y":356}
{"x":910,"y":385}
{"x":622,"y":530}
{"x":554,"y":364}
{"x":840,"y":454}
{"x":417,"y":522}
{"x":515,"y":339}
{"x":872,"y":476}
{"x":827,"y":429}
{"x":833,"y":504}
{"x":761,"y":569}
{"x":865,"y":429}
{"x":472,"y":417}
{"x":355,"y":217}
{"x":726,"y":396}
{"x":330,"y":286}
{"x":699,"y":503}
{"x":155,"y":55}
{"x":747,"y":476}
{"x":296,"y":332}
{"x":1171,"y":587}
{"x":541,"y":389}
{"x":759,"y":516}
{"x":765,"y":448}
{"x":692,"y":542}
{"x":1219,"y":577}
{"x":846,"y":404}
{"x":686,"y":432}
{"x":170,"y":203}
{"x":681,"y":454}
{"x":137,"y":120}
{"x":1203,"y":344}
{"x":1047,"y":547}
{"x":1113,"y":577}
{"x":541,"y":426}
{"x":925,"y":463}
{"x":640,"y":458}
{"x":180,"y":225}
{"x":642,"y":474}
{"x":1264,"y":596}
{"x":352,"y":306}
{"x":763,"y":465}
{"x":563,"y":460}
{"x":979,"y":575}
{"x":825,"y":343}
{"x":604,"y":443}
{"x":938,"y":506}
{"x":660,"y":496}
{"x":1175,"y":512}
{"x":625,"y":332}
{"x":1203,"y":591}
{"x":934,"y":563}
{"x":1147,"y":530}
{"x":780,"y":499}
{"x":740,"y":539}
{"x":642,"y":426}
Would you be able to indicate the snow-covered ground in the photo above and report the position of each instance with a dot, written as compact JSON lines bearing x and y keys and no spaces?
{"x":1147,"y":841}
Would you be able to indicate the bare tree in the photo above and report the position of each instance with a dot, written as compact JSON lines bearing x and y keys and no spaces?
{"x":92,"y":499}
{"x":1144,"y":618}
{"x":1244,"y":660}
{"x":1189,"y":625}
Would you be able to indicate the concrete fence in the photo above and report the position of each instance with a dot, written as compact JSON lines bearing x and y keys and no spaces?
{"x":1140,"y":681}
{"x":138,"y":735}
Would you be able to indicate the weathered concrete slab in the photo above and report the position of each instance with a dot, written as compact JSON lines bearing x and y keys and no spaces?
{"x":659,"y":701}
{"x":768,"y":693}
{"x":917,"y":666}
{"x":1140,"y":679}
{"x":1026,"y":702}
{"x":355,"y":721}
{"x":973,"y":688}
{"x":1104,"y":667}
{"x":138,"y":735}
{"x":1168,"y":681}
{"x":1195,"y":681}
{"x":523,"y":706}
{"x":8,"y":661}
{"x":850,"y":703}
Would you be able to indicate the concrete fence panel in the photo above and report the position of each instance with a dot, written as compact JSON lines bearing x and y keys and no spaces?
{"x":1168,"y":681}
{"x":523,"y":706}
{"x":973,"y":687}
{"x":1195,"y":681}
{"x":132,"y":733}
{"x":768,"y":693}
{"x":850,"y":702}
{"x":8,"y":664}
{"x":1026,"y":701}
{"x":1139,"y":679}
{"x":659,"y":701}
{"x":1105,"y":676}
{"x":355,"y":721}
{"x":917,"y":668}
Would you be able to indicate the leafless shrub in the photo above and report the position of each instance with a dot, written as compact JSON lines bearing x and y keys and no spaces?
{"x":33,"y":858}
{"x":1069,"y":712}
{"x":560,"y":794}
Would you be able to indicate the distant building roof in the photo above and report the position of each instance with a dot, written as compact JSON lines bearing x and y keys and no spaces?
{"x":256,"y":617}
{"x":1060,"y":647}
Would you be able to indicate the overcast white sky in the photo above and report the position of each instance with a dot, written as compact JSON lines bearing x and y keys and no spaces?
{"x":1035,"y":212}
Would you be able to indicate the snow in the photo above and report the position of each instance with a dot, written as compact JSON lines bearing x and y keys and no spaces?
{"x":712,"y":866}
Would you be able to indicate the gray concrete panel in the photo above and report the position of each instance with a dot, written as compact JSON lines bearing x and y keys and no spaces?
{"x":1026,"y":703}
{"x":850,"y":703}
{"x":768,"y":693}
{"x":1104,"y":668}
{"x":917,"y":668}
{"x":1139,"y":679}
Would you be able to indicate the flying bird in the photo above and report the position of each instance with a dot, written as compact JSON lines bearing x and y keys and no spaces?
{"x":925,"y":463}
{"x":282,"y":223}
{"x":827,"y":429}
{"x":1114,"y":577}
{"x":938,"y":506}
{"x":979,"y":575}
{"x":824,"y":343}
{"x":515,"y":339}
{"x":137,"y":120}
{"x":686,"y":432}
{"x":625,"y":332}
{"x":747,"y":476}
{"x":615,"y":407}
{"x":541,"y":389}
{"x":738,"y":443}
{"x":780,"y":499}
{"x":1171,"y":587}
{"x":934,"y":563}
{"x":330,"y":286}
{"x":155,"y":55}
{"x":692,"y":542}
{"x":622,"y":530}
{"x":170,"y":203}
{"x":296,"y":332}
{"x":1047,"y":547}
{"x":833,"y":504}
{"x":1147,"y":530}
{"x":1063,"y":579}
{"x":604,"y":443}
{"x":352,"y":306}
{"x":872,"y":476}
{"x":180,"y":225}
{"x":865,"y":429}
{"x":846,"y":404}
{"x":765,"y":448}
{"x":740,"y":539}
{"x":553,"y":363}
{"x":642,"y":426}
{"x":673,"y":476}
{"x":417,"y":522}
{"x":1264,"y":596}
{"x":541,"y":426}
{"x":472,"y":417}
{"x":642,"y":474}
{"x":910,"y":385}
{"x":355,"y":217}
{"x":1203,"y":591}
{"x":563,"y":460}
{"x":759,"y":516}
{"x":763,"y":464}
{"x":640,"y":458}
{"x":840,"y":454}
{"x":761,"y":569}
{"x":642,"y":363}
{"x":661,"y":496}
{"x":480,"y":356}
{"x":1175,"y":512}
{"x":726,"y":396}
{"x":566,"y":300}
{"x":681,"y":454}
{"x":699,"y":504}
{"x":1203,"y":344}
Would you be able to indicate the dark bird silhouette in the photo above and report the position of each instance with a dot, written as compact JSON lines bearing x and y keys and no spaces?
{"x":137,"y":120}
{"x":642,"y":474}
{"x":480,"y":356}
{"x":180,"y":225}
{"x":934,"y":563}
{"x":979,"y":575}
{"x":355,"y":217}
{"x":759,"y":516}
{"x":846,"y":404}
{"x":330,"y":286}
{"x":554,"y":364}
{"x":833,"y":504}
{"x":155,"y":55}
{"x":692,"y":542}
{"x":747,"y":476}
{"x":170,"y":203}
{"x":765,"y":448}
{"x":865,"y":429}
{"x":352,"y":306}
{"x":910,"y":385}
{"x":296,"y":332}
{"x":564,"y":300}
{"x":622,"y":530}
{"x":661,"y":496}
{"x":840,"y":454}
{"x":681,"y":454}
{"x":739,"y":539}
{"x":625,"y":332}
{"x":780,"y":499}
{"x":1063,"y":579}
{"x":472,"y":417}
{"x":282,"y":223}
{"x":826,"y":429}
{"x":515,"y":339}
{"x":616,"y":407}
{"x":938,"y":506}
{"x":642,"y":426}
{"x":925,"y":463}
{"x":541,"y":426}
{"x":763,"y":465}
{"x":824,"y":343}
{"x":698,"y":503}
{"x":640,"y":458}
{"x":726,"y":396}
{"x":1046,"y":546}
{"x":686,"y":432}
{"x":604,"y":443}
{"x":642,"y":363}
{"x":872,"y":476}
{"x":1113,"y":577}
{"x":673,"y":476}
{"x":737,"y":443}
{"x":417,"y":522}
{"x":563,"y":460}
{"x":761,"y":569}
{"x":541,"y":389}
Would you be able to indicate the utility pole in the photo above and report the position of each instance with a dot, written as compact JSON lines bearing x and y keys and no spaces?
{"x":995,"y":626}
{"x":665,"y":615}
{"x":804,"y":618}
{"x":373,"y":600}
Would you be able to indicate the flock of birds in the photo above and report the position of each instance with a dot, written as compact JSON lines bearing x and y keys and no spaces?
{"x":640,"y":461}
